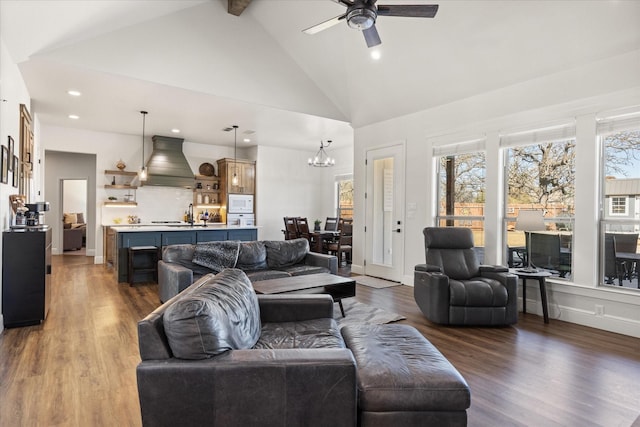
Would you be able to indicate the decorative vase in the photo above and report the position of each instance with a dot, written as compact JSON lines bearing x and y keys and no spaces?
{"x":121,"y":165}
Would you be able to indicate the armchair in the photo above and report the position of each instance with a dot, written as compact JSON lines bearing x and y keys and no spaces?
{"x":452,"y":288}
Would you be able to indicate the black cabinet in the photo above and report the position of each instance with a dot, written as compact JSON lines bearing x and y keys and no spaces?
{"x":26,"y":276}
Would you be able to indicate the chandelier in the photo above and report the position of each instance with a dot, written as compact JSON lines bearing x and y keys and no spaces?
{"x":322,"y":159}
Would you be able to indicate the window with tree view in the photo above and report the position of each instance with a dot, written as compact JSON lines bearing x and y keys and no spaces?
{"x":541,"y":176}
{"x":461,"y":193}
{"x":620,"y":223}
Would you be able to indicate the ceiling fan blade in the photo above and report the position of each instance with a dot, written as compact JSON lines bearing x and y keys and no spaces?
{"x":324,"y":25}
{"x":371,"y":36}
{"x":408,"y":10}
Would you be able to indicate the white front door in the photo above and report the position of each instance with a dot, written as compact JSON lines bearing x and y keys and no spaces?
{"x":384,"y":232}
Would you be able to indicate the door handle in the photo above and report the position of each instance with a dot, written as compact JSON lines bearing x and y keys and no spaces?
{"x":398,"y":230}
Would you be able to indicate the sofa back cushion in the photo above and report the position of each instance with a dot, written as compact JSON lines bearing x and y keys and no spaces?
{"x":252,"y":256}
{"x":284,"y":253}
{"x":222,"y":314}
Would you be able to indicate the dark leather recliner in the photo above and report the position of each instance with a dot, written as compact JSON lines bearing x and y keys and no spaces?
{"x":452,"y":288}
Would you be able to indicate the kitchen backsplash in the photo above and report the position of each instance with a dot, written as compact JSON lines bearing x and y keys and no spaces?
{"x":154,"y":204}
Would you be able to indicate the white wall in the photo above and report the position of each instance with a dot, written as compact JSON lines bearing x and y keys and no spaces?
{"x":287,"y":186}
{"x":74,"y":196}
{"x":13,"y":92}
{"x":578,"y":94}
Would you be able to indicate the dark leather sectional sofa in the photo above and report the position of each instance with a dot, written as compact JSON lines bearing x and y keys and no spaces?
{"x":183,"y":264}
{"x":217,"y":354}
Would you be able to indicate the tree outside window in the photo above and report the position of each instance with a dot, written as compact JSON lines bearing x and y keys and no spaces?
{"x":461,"y":192}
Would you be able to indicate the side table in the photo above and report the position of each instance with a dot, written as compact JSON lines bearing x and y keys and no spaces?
{"x":540,"y":276}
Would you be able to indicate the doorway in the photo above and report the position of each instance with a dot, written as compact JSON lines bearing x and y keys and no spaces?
{"x":384,"y":232}
{"x":74,"y":214}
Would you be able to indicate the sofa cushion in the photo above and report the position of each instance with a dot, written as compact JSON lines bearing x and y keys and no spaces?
{"x":216,"y":255}
{"x":69,"y":218}
{"x":283,"y":253}
{"x":316,"y":333}
{"x":252,"y":256}
{"x":222,"y":314}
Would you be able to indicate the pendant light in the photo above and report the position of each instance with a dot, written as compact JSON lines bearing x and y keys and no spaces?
{"x":234,"y":180}
{"x":143,"y":169}
{"x":322,"y":159}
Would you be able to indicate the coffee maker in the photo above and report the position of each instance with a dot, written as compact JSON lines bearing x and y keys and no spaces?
{"x":35,"y":210}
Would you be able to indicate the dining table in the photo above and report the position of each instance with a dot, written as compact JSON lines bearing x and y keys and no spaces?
{"x":319,"y":237}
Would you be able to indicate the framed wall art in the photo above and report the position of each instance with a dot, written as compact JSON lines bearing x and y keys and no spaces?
{"x":10,"y":144}
{"x":16,"y":171}
{"x":4,"y":178}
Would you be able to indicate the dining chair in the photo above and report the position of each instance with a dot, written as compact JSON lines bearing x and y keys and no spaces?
{"x":626,"y":242}
{"x":546,"y":254}
{"x":302,"y":226}
{"x":290,"y":228}
{"x":613,"y":268}
{"x":331,"y":224}
{"x":342,"y":245}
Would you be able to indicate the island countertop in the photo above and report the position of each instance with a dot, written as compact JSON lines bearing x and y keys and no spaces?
{"x":133,"y":228}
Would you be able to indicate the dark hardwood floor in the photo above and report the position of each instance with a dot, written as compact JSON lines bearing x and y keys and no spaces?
{"x":78,"y":367}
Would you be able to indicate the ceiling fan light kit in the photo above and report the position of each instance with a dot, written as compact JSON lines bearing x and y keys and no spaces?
{"x":362,"y":14}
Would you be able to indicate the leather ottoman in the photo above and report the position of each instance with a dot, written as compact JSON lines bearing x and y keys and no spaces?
{"x":403,"y":380}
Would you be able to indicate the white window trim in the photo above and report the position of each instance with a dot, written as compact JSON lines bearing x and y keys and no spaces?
{"x":626,"y":206}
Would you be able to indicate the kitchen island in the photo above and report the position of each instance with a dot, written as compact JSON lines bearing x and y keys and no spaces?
{"x":119,"y":238}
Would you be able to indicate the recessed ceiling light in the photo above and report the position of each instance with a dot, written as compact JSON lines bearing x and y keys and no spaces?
{"x":376,"y":54}
{"x":175,"y":130}
{"x":74,"y":116}
{"x":74,"y":92}
{"x":247,"y":140}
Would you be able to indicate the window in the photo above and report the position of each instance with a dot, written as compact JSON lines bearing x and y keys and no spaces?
{"x":461,"y":193}
{"x":540,"y":175}
{"x":344,"y":191}
{"x":618,"y":206}
{"x":620,"y":221}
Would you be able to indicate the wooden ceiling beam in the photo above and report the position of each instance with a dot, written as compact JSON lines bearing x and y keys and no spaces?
{"x":236,"y":7}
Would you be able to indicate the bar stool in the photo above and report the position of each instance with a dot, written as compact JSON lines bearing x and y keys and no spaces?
{"x":143,"y":259}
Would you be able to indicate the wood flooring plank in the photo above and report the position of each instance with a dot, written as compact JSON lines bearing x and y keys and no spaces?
{"x":78,"y":367}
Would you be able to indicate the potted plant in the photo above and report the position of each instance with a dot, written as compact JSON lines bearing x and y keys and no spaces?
{"x":316,"y":225}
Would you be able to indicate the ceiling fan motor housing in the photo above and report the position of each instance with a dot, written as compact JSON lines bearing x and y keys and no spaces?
{"x":361,"y":16}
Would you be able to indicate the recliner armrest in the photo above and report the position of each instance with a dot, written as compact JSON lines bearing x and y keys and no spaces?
{"x":493,"y":268}
{"x":429,"y":268}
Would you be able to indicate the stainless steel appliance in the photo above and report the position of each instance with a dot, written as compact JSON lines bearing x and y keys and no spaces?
{"x":35,"y":211}
{"x":240,"y":204}
{"x":241,"y":220}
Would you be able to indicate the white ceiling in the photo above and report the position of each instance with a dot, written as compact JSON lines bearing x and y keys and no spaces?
{"x":197,"y":68}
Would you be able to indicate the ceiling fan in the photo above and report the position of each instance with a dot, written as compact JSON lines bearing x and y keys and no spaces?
{"x":362,"y":14}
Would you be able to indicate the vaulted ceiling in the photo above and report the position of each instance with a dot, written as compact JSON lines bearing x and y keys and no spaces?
{"x":196,"y":67}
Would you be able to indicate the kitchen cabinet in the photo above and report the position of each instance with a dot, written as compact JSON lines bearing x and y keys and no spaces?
{"x":243,"y":234}
{"x":26,"y":276}
{"x":211,"y":236}
{"x":120,"y":180}
{"x":246,"y":174}
{"x":109,"y":246}
{"x":178,"y":237}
